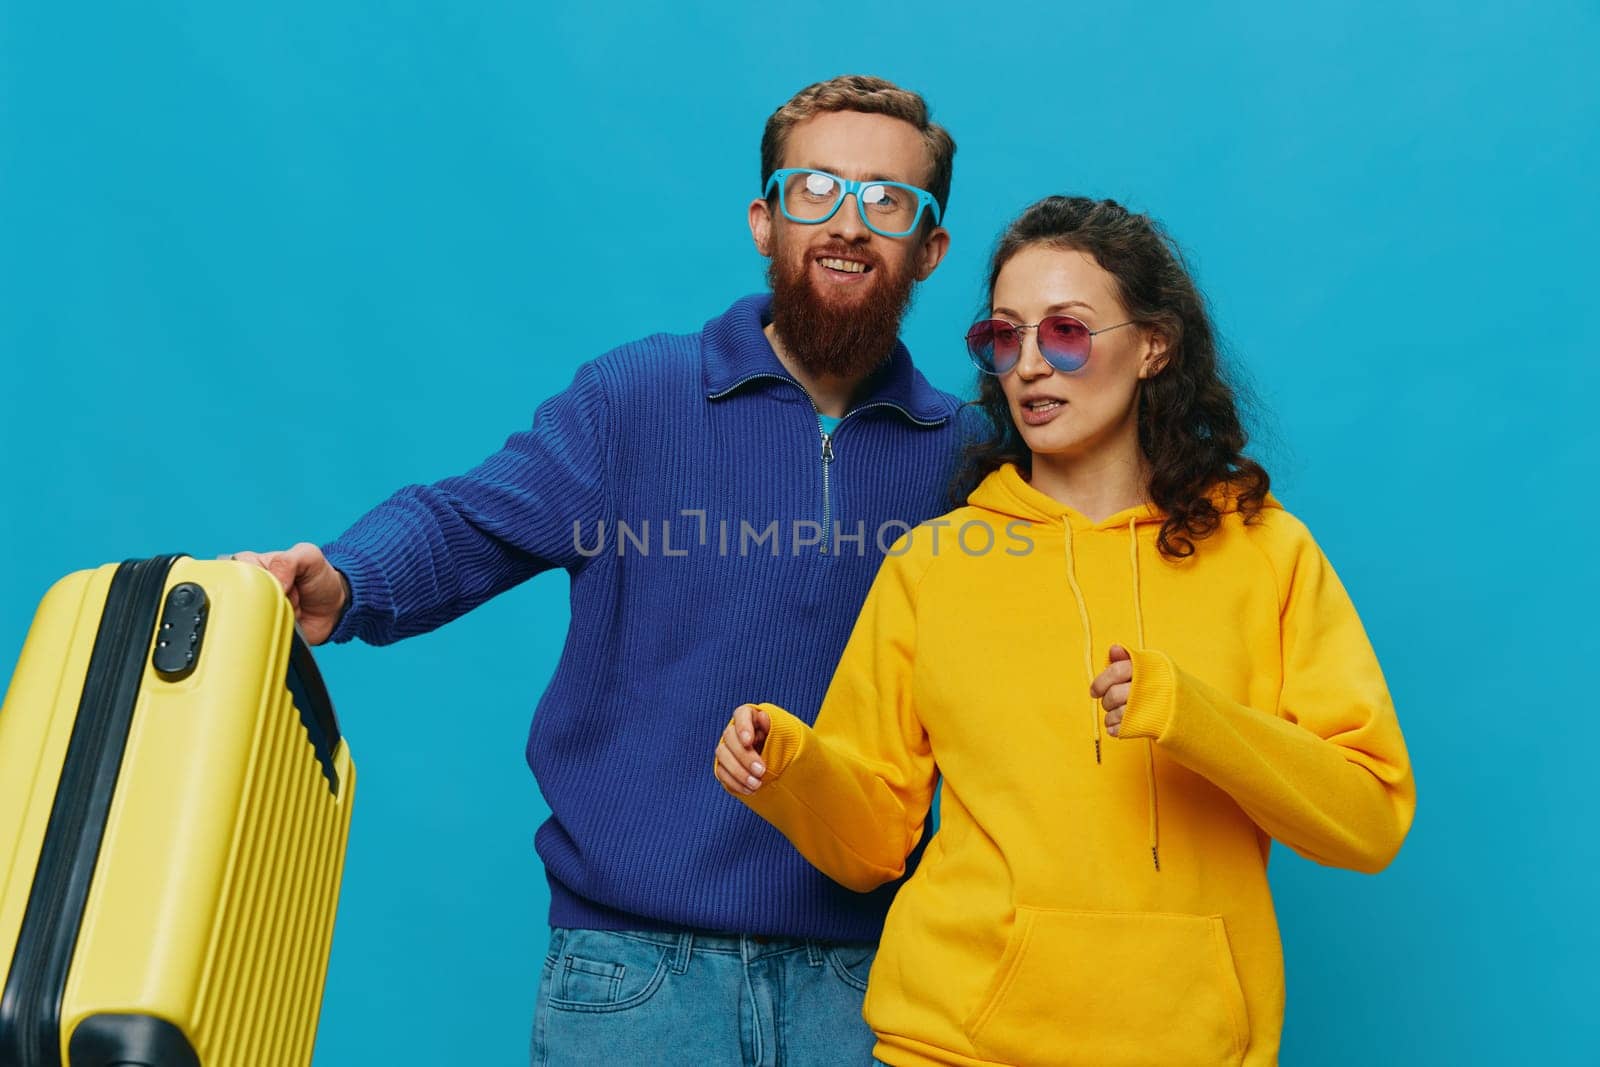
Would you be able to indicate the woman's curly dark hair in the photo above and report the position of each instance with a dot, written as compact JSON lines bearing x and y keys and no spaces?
{"x":1189,"y":425}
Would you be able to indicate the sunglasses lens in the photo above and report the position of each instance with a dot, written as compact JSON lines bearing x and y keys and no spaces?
{"x":994,"y":345}
{"x":1064,"y":342}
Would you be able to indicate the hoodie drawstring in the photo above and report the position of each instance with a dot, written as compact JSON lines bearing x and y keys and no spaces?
{"x":1088,"y":637}
{"x":1149,"y":745}
{"x":1090,"y":672}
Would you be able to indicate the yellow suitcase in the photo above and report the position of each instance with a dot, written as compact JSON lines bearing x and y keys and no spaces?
{"x":174,"y":806}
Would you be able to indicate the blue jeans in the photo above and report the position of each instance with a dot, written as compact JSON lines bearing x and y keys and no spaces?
{"x":700,"y":1001}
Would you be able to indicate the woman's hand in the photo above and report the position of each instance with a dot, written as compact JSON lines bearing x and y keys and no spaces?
{"x":1111,"y":687}
{"x":739,"y":767}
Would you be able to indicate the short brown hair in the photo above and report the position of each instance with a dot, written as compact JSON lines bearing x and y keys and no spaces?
{"x":875,"y":96}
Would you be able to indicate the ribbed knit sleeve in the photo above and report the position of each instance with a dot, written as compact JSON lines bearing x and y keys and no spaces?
{"x":432,"y":552}
{"x":853,"y":792}
{"x":1326,"y":772}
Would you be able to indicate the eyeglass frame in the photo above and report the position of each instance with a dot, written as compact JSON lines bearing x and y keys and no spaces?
{"x":1020,"y":326}
{"x":853,"y":187}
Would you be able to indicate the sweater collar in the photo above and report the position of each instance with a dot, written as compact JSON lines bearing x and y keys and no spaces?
{"x":737,"y":352}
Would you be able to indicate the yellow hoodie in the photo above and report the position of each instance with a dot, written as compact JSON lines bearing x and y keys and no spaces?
{"x":1089,"y":899}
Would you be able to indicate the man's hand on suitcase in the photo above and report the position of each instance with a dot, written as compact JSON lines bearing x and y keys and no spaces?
{"x":315,"y":588}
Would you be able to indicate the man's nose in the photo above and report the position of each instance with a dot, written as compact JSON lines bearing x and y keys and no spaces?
{"x":846,"y":223}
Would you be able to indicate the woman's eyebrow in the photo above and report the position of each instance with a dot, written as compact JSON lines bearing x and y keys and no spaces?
{"x":1051,"y":310}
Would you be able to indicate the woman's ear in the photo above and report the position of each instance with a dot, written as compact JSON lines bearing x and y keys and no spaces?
{"x":1156,"y":353}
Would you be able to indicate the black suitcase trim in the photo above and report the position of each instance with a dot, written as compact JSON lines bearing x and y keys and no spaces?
{"x":30,"y":1007}
{"x":110,"y":1040}
{"x":311,"y":700}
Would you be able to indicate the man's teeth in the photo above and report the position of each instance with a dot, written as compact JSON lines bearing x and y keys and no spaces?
{"x":1043,"y":405}
{"x":849,"y":266}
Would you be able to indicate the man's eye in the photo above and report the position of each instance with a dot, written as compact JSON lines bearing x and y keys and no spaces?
{"x":881,"y":196}
{"x":819,"y":185}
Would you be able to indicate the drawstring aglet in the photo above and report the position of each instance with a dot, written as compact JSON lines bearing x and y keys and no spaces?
{"x":1097,"y":750}
{"x":1156,"y":855}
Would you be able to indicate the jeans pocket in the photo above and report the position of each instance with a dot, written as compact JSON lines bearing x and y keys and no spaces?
{"x":852,"y":963}
{"x":599,"y":971}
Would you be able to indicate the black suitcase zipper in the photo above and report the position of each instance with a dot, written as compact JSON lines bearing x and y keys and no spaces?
{"x":30,"y":1006}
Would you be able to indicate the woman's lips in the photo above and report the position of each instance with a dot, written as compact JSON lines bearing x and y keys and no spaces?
{"x":1040,"y":411}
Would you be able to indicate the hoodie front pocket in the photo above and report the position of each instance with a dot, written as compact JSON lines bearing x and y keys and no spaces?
{"x":1113,"y":989}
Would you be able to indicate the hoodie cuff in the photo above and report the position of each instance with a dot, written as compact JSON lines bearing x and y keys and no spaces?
{"x":1152,"y":696}
{"x":785,"y":739}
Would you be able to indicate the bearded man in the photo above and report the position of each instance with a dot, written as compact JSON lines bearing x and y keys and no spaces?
{"x":720,"y":502}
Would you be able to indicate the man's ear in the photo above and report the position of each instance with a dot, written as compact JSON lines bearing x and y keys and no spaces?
{"x":1157,"y":352}
{"x":933,"y":250}
{"x":761,"y":226}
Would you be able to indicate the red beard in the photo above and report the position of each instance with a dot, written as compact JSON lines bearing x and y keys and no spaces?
{"x":837,"y":338}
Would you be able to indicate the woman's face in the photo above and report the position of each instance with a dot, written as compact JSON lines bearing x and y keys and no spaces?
{"x":1090,"y":411}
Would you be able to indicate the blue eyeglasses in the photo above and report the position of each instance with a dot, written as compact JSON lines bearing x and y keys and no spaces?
{"x":809,"y":197}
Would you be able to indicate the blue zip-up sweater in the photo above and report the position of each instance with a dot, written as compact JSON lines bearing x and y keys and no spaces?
{"x":683,"y":483}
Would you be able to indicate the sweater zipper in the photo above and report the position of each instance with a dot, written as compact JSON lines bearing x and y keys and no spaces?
{"x":827,"y":444}
{"x":827,"y":440}
{"x":827,"y":497}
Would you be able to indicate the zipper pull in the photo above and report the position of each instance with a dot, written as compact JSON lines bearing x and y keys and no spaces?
{"x":827,"y":447}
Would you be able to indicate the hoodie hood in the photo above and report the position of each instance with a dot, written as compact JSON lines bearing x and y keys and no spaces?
{"x":1008,"y":493}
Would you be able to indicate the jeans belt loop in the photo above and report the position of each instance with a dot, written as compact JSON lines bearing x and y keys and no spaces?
{"x":680,"y":959}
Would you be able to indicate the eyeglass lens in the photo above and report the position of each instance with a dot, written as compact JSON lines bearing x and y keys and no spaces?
{"x":812,"y":195}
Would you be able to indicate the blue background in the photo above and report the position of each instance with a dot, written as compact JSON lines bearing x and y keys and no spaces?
{"x":261,"y":264}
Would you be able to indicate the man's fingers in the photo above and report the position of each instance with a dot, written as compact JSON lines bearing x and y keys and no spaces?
{"x":281,"y":568}
{"x":1120,"y":654}
{"x":276,"y":564}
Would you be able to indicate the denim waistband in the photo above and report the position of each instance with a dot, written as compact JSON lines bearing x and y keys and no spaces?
{"x":684,"y":945}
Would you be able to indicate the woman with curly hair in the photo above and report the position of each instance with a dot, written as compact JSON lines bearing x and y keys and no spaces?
{"x":1127,"y":670}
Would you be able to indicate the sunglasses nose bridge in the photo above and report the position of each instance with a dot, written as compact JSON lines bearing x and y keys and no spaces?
{"x":1038,"y":367}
